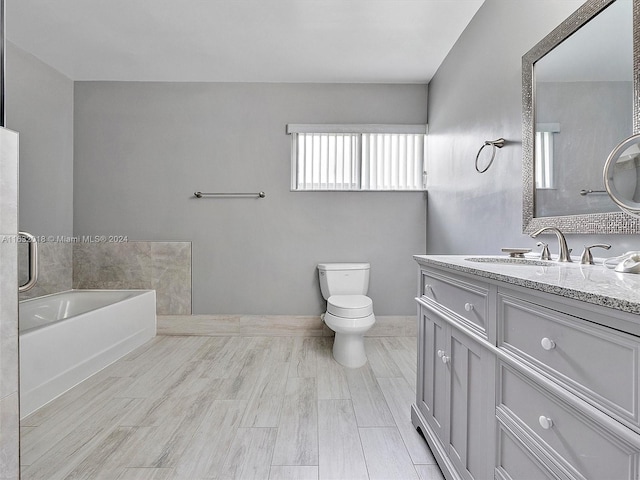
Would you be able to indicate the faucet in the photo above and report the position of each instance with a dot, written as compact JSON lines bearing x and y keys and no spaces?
{"x":562,"y":242}
{"x":587,"y":258}
{"x":544,"y":254}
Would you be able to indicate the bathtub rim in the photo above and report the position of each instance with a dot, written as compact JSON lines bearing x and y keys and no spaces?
{"x":137,"y":291}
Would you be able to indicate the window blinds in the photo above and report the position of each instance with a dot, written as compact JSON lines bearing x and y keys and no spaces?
{"x":376,"y":158}
{"x":543,"y":150}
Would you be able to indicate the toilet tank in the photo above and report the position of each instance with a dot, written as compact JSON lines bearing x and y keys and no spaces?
{"x":343,"y":279}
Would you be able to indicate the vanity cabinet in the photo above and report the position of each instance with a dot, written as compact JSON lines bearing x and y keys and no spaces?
{"x":456,"y":384}
{"x":455,"y":394}
{"x":519,"y":384}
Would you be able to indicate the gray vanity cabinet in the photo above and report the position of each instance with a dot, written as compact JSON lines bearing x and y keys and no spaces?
{"x":566,"y":386}
{"x":436,"y":379}
{"x":454,"y":389}
{"x":518,"y":384}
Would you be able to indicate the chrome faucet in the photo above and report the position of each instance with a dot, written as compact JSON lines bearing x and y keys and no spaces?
{"x":587,"y":258}
{"x":562,"y":242}
{"x":544,"y":254}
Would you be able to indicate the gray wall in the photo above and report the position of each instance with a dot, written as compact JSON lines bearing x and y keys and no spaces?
{"x":142,"y":149}
{"x":40,"y":107}
{"x":476,"y":96}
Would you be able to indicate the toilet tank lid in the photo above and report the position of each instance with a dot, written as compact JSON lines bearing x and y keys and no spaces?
{"x":343,"y":266}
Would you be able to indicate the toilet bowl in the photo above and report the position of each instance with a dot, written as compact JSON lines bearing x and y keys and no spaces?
{"x":350,"y":317}
{"x":349,"y":311}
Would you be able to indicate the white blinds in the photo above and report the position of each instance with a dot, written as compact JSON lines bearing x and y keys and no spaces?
{"x":357,"y":161}
{"x":392,"y":161}
{"x":544,"y":159}
{"x":327,"y":161}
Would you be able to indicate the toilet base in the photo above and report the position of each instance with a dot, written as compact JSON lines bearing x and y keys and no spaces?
{"x":348,"y":343}
{"x":348,"y":350}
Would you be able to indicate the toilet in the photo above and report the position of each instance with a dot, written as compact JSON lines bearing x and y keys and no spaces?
{"x":349,"y":311}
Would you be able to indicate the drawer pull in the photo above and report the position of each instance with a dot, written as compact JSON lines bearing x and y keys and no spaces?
{"x":547,"y":343}
{"x":443,"y":357}
{"x":468,"y":307}
{"x":545,"y":422}
{"x":427,"y":288}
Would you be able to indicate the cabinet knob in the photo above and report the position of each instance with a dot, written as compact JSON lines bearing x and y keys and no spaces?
{"x":468,"y":307}
{"x":547,"y":343}
{"x":545,"y":422}
{"x":443,"y":357}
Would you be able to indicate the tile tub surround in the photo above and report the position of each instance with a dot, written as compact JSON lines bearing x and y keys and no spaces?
{"x":9,"y":380}
{"x":161,"y":266}
{"x":593,"y":284}
{"x":275,"y":325}
{"x":55,"y":265}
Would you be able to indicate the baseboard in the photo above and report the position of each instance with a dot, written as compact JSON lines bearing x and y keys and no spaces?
{"x":275,"y":325}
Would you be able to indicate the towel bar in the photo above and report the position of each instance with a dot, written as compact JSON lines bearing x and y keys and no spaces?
{"x":229,"y":195}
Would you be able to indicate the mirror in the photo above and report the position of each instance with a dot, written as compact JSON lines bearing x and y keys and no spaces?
{"x":622,"y":175}
{"x":579,"y":102}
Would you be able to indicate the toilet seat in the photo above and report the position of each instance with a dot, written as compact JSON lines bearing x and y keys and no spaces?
{"x":350,"y":306}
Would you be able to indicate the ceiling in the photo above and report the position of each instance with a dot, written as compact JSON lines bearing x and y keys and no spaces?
{"x":325,"y":41}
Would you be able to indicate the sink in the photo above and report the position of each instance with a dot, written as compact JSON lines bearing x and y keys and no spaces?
{"x":512,"y":261}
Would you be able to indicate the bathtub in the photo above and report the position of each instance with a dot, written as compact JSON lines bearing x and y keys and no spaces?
{"x":69,"y":336}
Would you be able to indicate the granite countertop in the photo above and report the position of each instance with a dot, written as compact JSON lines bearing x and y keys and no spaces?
{"x":594,"y":284}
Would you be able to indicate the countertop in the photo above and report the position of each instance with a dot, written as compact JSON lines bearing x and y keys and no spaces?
{"x":593,"y":284}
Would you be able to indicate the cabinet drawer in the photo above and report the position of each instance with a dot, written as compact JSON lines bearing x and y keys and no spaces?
{"x":598,"y":363}
{"x":583,"y":444}
{"x":467,"y":300}
{"x":515,"y":463}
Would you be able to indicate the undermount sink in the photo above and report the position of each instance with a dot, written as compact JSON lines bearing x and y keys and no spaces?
{"x":512,"y":261}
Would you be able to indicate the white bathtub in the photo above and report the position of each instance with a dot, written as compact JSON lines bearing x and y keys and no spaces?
{"x":67,"y":337}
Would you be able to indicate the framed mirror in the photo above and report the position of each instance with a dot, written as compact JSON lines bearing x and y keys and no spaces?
{"x":581,"y":98}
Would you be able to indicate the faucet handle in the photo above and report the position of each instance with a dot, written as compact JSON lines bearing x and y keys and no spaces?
{"x":545,"y":254}
{"x":587,"y":258}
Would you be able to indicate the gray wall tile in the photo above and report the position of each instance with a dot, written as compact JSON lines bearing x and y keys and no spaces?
{"x":9,"y":438}
{"x":54,"y":268}
{"x":161,"y":266}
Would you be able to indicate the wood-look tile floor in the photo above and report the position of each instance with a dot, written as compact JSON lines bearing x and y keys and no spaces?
{"x":193,"y":408}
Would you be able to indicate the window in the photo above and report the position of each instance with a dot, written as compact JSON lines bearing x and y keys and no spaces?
{"x":357,"y":157}
{"x":543,"y":149}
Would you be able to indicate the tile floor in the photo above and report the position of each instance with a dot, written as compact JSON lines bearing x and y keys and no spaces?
{"x":193,"y":408}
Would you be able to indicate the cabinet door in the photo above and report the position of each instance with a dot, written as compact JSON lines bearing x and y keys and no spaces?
{"x":471,"y":416}
{"x":434,"y":377}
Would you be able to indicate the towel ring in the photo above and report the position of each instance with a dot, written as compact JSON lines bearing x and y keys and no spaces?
{"x":499,"y":143}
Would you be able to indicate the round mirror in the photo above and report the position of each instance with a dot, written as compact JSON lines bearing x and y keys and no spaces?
{"x":622,"y":175}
